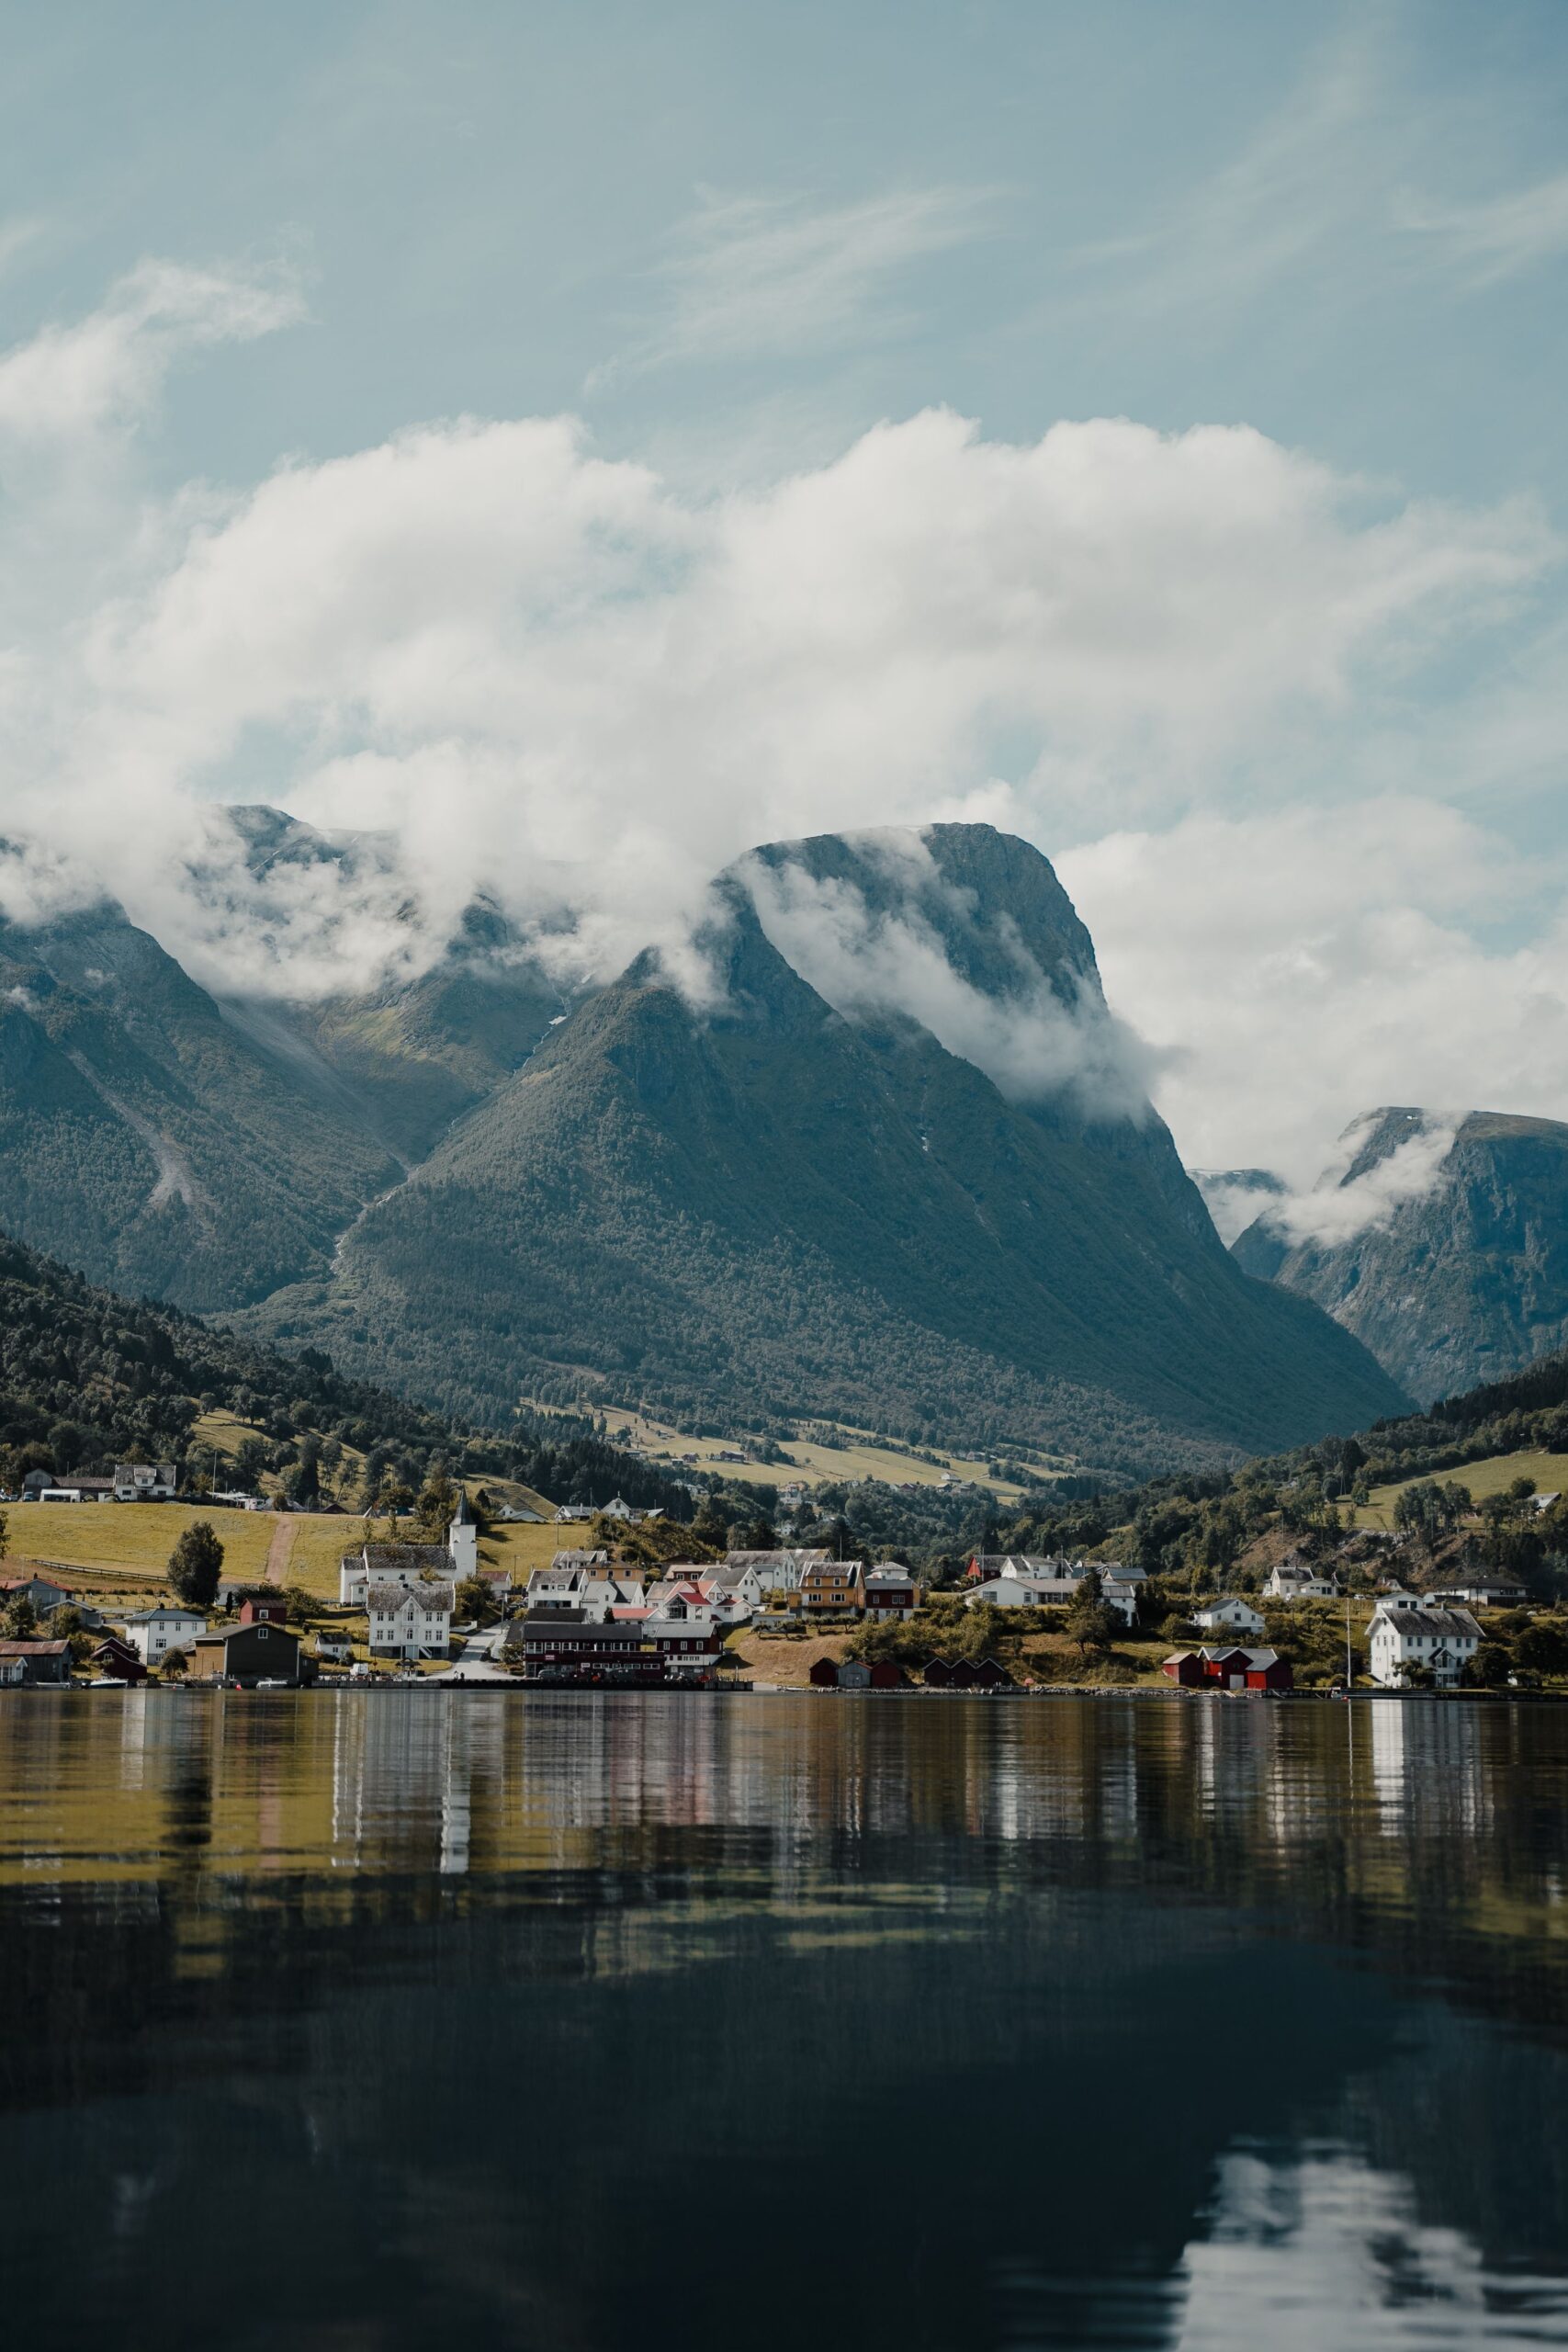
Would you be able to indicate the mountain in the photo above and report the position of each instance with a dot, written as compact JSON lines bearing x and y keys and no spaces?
{"x":896,"y":1171}
{"x":147,"y":1138}
{"x":1442,"y":1245}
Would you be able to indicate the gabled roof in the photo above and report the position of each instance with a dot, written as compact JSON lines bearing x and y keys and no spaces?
{"x":1446,"y":1624}
{"x":387,"y":1598}
{"x":33,"y":1649}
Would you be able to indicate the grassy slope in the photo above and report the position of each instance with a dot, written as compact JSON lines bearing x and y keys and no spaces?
{"x":1550,"y":1472}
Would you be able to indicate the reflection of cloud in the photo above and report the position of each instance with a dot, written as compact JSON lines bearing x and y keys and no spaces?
{"x":1304,"y":2249}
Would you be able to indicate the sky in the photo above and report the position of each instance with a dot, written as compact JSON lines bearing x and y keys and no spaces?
{"x":579,"y":443}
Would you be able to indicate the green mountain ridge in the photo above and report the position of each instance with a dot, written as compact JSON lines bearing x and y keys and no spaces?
{"x":768,"y":1209}
{"x":1467,"y":1281}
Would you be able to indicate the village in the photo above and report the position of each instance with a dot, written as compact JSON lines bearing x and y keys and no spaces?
{"x":613,"y":1605}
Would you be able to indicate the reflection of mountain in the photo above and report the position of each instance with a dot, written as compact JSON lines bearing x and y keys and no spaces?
{"x":1071,"y":1977}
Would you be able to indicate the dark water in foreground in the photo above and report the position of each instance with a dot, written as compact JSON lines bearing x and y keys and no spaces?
{"x":391,"y":2022}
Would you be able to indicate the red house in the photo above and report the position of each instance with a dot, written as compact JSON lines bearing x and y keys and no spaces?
{"x":991,"y":1676}
{"x":885,"y":1675}
{"x":1184,"y":1667}
{"x":937,"y":1675}
{"x":118,"y":1662}
{"x":264,"y":1609}
{"x":1238,"y":1669}
{"x":825,"y":1674}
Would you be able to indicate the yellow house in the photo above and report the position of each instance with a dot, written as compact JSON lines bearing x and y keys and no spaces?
{"x":832,"y":1587}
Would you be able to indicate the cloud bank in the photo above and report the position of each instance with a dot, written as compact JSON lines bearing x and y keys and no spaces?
{"x":526,"y":668}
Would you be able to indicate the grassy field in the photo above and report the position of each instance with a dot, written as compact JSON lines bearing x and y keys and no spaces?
{"x":1550,"y":1472}
{"x":859,"y":1456}
{"x":217,"y":1436}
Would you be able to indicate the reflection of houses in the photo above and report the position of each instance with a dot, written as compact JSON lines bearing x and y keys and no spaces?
{"x":1406,"y":1635}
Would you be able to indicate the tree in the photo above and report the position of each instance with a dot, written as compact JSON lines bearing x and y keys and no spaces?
{"x":174,"y":1664}
{"x":757,"y":1537}
{"x":195,"y":1565}
{"x":20,"y":1620}
{"x":1092,"y":1621}
{"x":1491,"y":1666}
{"x":3,"y":1535}
{"x":474,"y":1599}
{"x":437,"y":1502}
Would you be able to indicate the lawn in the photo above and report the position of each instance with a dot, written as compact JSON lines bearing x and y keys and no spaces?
{"x":1550,"y":1472}
{"x":813,"y":1465}
{"x":128,"y":1537}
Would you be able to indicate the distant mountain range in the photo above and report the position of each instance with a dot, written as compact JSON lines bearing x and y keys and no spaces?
{"x":895,"y":1169}
{"x":1442,"y":1244}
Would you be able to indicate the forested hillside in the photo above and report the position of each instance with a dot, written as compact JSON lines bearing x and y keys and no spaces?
{"x":87,"y":1377}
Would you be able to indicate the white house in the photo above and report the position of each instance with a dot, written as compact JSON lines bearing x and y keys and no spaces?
{"x":753,"y":1575}
{"x":144,"y":1482}
{"x":410,"y":1619}
{"x":1023,"y":1592}
{"x":156,"y":1632}
{"x":1231,"y":1615}
{"x":1290,"y":1581}
{"x":1402,"y":1635}
{"x":407,"y":1562}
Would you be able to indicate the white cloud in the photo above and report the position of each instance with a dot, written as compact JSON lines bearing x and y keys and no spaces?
{"x":1498,"y":238}
{"x":760,"y":276}
{"x":1050,"y":1035}
{"x":1302,"y":965}
{"x":106,"y":369}
{"x":551,"y":674}
{"x":1341,"y":1205}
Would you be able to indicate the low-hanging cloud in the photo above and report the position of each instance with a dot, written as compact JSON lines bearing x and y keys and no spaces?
{"x":508,"y":664}
{"x":1045,"y":1035}
{"x":1340,"y":1206}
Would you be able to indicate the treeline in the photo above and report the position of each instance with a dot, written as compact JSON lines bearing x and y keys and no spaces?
{"x":88,"y":1378}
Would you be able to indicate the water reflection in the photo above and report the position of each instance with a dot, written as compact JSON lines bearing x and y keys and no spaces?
{"x":1052,"y":2023}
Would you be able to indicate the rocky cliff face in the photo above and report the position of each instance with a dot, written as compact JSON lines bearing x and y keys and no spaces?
{"x":1458,"y":1272}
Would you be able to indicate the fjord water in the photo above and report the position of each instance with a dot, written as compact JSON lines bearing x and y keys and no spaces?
{"x":572,"y":2022}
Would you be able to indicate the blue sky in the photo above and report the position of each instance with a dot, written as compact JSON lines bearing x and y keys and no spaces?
{"x":245,"y":253}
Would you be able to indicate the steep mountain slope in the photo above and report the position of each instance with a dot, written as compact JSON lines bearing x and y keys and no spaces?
{"x":407,"y":1060}
{"x":144,"y":1138}
{"x":774,"y":1207}
{"x":1461,"y":1281}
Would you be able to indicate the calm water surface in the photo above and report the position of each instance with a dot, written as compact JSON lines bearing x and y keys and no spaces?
{"x":392,"y":2020}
